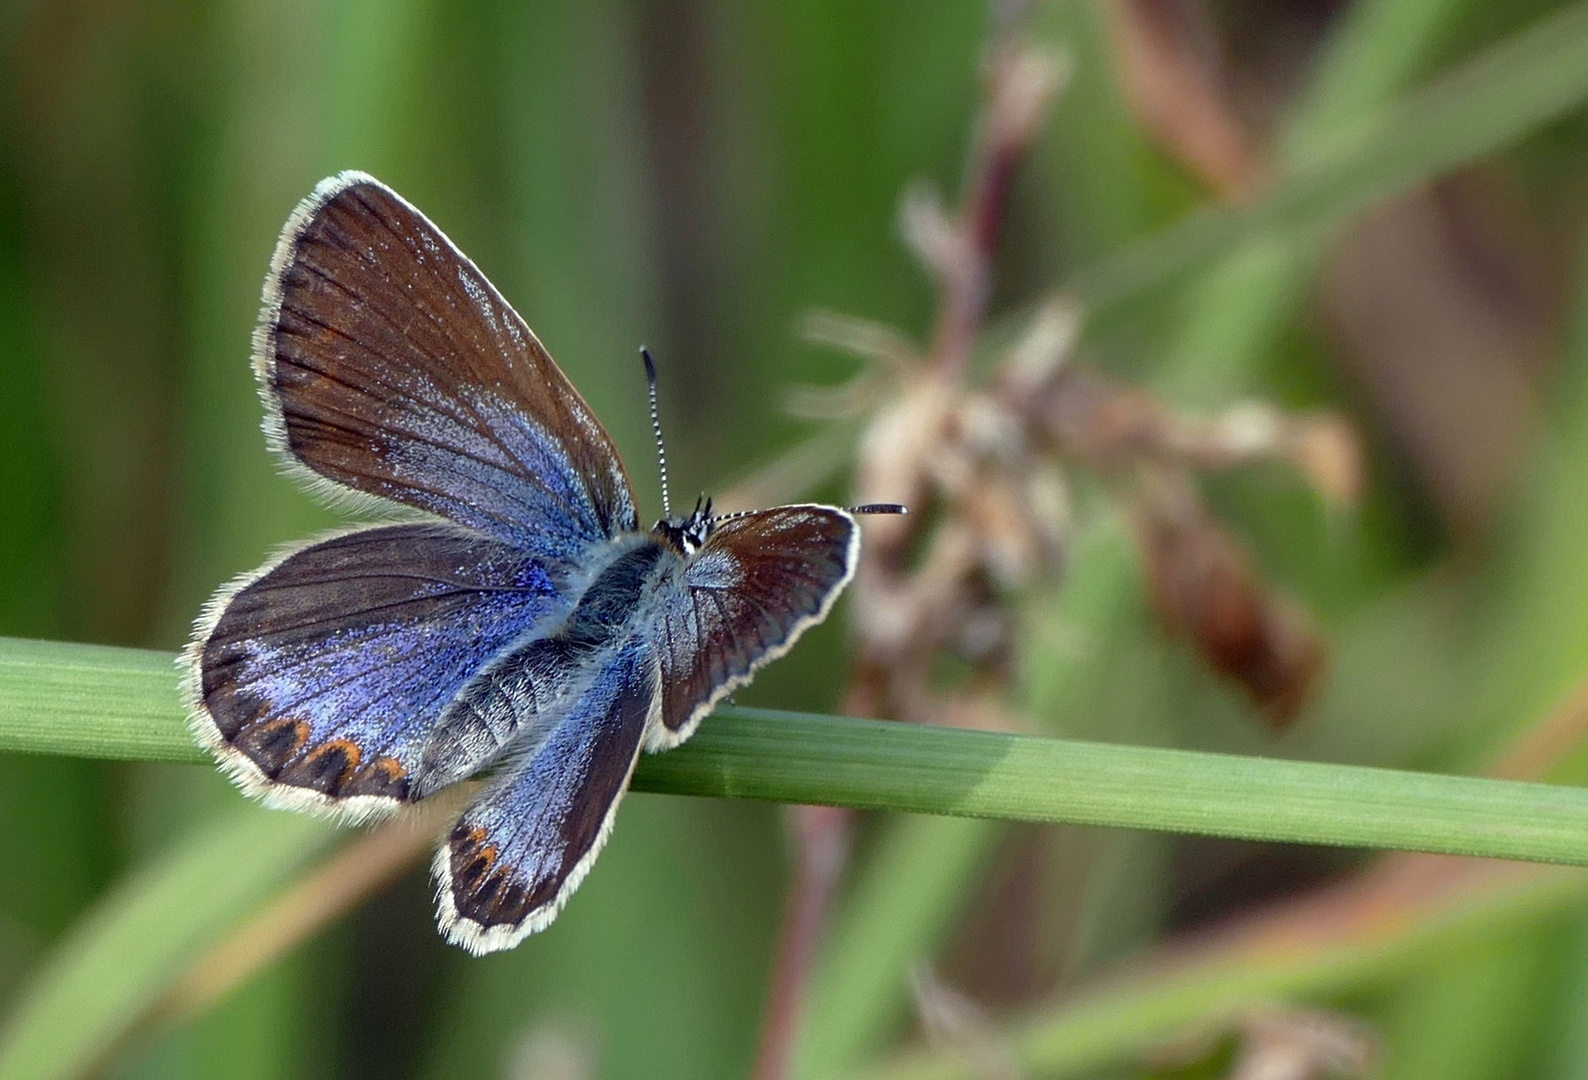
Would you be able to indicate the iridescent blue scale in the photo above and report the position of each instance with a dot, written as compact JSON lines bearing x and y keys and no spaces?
{"x":524,"y":628}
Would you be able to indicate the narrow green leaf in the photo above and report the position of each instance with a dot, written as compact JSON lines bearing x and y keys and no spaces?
{"x":1485,"y":104}
{"x":876,"y":765}
{"x":125,"y":954}
{"x":91,"y":701}
{"x":870,"y":764}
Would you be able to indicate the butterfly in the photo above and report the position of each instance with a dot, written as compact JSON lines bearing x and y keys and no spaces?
{"x":515,"y":621}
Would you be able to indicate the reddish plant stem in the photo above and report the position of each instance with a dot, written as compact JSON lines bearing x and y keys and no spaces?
{"x":966,"y":283}
{"x":822,"y":835}
{"x":1018,"y":87}
{"x":966,"y":286}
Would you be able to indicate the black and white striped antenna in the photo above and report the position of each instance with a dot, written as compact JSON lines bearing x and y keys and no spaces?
{"x":656,"y":427}
{"x":867,"y":508}
{"x":661,"y":460}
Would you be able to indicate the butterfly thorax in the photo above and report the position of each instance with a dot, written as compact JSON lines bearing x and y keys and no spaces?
{"x":608,"y":605}
{"x":687,"y":535}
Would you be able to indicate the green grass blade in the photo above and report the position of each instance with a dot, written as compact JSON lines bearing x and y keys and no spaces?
{"x":922,"y":769}
{"x":1485,"y":104}
{"x":124,"y":955}
{"x":868,"y":764}
{"x":1113,"y":1023}
{"x":91,"y":701}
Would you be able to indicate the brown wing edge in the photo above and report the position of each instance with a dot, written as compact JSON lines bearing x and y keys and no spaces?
{"x":263,"y":361}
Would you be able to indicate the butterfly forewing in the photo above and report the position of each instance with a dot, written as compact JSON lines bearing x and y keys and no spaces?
{"x":758,"y":582}
{"x":396,"y":369}
{"x":321,"y":678}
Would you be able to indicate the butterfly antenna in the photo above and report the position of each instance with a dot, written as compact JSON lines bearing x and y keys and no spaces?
{"x":656,"y":427}
{"x":867,"y":508}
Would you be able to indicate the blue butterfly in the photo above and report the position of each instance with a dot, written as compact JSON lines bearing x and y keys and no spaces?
{"x":522,"y":624}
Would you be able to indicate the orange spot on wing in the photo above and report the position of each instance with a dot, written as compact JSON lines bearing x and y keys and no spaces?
{"x":270,"y":744}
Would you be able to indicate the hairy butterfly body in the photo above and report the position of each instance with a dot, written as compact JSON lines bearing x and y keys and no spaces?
{"x":523,"y":626}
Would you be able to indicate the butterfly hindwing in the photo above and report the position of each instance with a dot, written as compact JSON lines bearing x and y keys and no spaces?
{"x":392,"y":367}
{"x":319,"y":680}
{"x":522,"y":848}
{"x":757,"y":583}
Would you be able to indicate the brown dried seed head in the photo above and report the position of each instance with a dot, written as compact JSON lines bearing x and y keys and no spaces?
{"x":1206,"y":591}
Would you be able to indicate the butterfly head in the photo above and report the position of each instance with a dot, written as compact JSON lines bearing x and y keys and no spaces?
{"x":687,"y":535}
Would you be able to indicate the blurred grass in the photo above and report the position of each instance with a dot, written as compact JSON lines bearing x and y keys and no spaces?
{"x":1465,"y":988}
{"x":1337,"y":162}
{"x":1230,"y":317}
{"x":1141,"y":1010}
{"x":693,"y":176}
{"x":92,"y":990}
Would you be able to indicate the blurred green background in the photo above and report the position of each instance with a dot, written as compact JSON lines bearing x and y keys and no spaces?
{"x":695,"y":176}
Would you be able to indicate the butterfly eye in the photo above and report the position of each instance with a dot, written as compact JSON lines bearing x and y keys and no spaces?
{"x":697,"y":530}
{"x":687,"y":535}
